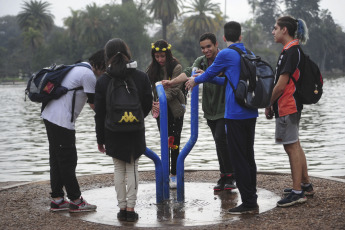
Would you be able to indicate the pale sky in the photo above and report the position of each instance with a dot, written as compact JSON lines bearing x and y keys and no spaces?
{"x":237,"y":10}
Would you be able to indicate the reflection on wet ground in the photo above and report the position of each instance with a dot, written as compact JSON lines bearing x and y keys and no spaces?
{"x":201,"y":207}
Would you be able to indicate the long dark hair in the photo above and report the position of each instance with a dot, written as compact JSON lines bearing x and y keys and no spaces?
{"x":154,"y":67}
{"x":117,"y":56}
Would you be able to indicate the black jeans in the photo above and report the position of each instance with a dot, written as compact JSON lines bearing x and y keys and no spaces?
{"x":63,"y":161}
{"x":174,"y":129}
{"x":218,"y":131}
{"x":240,"y":136}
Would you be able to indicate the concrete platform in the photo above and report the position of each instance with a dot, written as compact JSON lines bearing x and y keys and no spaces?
{"x":202,"y":206}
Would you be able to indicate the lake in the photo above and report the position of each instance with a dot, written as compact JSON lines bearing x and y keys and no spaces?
{"x":24,"y":146}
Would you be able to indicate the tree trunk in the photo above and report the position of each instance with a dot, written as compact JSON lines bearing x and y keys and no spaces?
{"x":164,"y":30}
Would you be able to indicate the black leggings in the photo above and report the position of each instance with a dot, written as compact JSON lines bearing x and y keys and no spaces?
{"x":174,"y":129}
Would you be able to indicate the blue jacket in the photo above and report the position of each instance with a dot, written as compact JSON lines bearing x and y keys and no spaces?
{"x":228,"y":61}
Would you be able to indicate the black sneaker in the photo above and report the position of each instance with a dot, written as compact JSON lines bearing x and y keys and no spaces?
{"x":220,"y":183}
{"x":122,"y":215}
{"x":241,"y":209}
{"x":308,"y":190}
{"x":62,"y":206}
{"x":132,"y":216}
{"x":229,"y":183}
{"x":292,"y":199}
{"x":83,"y":206}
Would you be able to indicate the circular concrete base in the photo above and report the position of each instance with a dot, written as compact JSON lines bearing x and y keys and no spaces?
{"x":202,"y":206}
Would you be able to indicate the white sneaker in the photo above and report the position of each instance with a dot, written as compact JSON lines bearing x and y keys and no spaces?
{"x":173,"y":182}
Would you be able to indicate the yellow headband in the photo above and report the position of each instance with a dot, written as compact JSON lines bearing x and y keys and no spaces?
{"x":158,"y":49}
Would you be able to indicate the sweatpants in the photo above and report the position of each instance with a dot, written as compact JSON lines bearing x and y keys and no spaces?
{"x":218,"y":131}
{"x":126,"y":190}
{"x":240,"y":136}
{"x":63,"y":161}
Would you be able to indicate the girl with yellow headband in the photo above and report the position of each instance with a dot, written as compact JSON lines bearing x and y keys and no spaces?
{"x":165,"y":66}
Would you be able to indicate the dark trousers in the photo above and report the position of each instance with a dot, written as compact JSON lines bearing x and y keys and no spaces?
{"x":240,"y":136}
{"x":63,"y":161}
{"x":174,"y":129}
{"x":218,"y":131}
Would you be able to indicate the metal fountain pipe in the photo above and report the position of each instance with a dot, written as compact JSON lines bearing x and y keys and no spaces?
{"x":163,"y":118}
{"x":190,"y":144}
{"x":159,"y":174}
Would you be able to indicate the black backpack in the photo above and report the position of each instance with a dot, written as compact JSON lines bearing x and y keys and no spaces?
{"x":254,"y":89}
{"x":123,"y":106}
{"x":309,"y":85}
{"x":45,"y":84}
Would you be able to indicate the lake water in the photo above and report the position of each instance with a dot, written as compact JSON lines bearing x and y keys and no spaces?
{"x":24,"y":148}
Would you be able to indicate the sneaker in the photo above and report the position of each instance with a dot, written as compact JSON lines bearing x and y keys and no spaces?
{"x":173,"y":182}
{"x":308,"y":190}
{"x":122,"y":215}
{"x":132,"y":216}
{"x":229,"y":183}
{"x":83,"y":206}
{"x":220,"y":183}
{"x":241,"y":209}
{"x":55,"y":207}
{"x":292,"y":199}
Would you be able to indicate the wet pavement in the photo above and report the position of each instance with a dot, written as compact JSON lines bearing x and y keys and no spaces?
{"x":202,"y":206}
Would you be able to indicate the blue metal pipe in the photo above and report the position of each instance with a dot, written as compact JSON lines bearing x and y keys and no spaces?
{"x":163,"y":118}
{"x":159,"y":174}
{"x":191,"y":142}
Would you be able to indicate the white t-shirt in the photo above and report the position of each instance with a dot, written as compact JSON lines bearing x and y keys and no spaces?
{"x":59,"y":111}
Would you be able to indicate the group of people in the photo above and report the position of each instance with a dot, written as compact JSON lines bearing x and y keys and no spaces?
{"x":232,"y":125}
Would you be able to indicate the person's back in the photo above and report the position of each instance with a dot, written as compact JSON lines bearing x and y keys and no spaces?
{"x":59,"y":111}
{"x":124,"y":147}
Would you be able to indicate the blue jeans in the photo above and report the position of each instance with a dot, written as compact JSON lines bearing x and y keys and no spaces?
{"x":240,"y":136}
{"x":63,"y":161}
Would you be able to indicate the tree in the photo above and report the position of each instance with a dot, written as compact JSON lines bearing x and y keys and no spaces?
{"x":267,"y":13}
{"x":36,"y":15}
{"x":92,"y":29}
{"x":166,"y":11}
{"x":201,"y":21}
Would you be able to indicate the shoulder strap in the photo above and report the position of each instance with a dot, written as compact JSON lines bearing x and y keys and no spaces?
{"x":83,"y":65}
{"x":237,"y":49}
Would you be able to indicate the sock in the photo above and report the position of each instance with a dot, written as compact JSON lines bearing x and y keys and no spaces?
{"x":297,"y":191}
{"x":305,"y":185}
{"x":58,"y":201}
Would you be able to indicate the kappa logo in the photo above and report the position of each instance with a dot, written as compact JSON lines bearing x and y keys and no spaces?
{"x":128,"y":118}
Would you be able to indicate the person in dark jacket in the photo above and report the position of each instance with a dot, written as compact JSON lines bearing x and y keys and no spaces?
{"x":124,"y":147}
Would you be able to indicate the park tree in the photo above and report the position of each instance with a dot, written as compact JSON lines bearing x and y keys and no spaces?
{"x":202,"y":18}
{"x":35,"y":14}
{"x":165,"y":11}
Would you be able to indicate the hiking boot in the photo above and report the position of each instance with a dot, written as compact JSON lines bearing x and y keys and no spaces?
{"x":83,"y":206}
{"x":62,"y":206}
{"x":220,"y":183}
{"x":173,"y":182}
{"x":241,"y":209}
{"x":308,"y":190}
{"x":132,"y":216}
{"x":122,"y":215}
{"x":292,"y":199}
{"x":229,"y":183}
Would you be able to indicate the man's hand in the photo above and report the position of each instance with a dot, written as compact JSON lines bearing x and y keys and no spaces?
{"x":101,"y":148}
{"x":269,"y":112}
{"x":190,"y":83}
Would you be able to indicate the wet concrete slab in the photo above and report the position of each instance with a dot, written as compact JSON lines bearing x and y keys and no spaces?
{"x":202,"y":206}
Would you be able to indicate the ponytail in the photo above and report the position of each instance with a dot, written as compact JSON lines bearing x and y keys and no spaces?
{"x":302,"y":33}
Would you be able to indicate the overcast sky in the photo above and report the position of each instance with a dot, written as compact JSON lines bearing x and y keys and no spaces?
{"x":237,"y":10}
